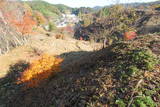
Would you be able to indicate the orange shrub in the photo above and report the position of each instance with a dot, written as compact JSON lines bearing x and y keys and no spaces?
{"x":130,"y":35}
{"x":39,"y":70}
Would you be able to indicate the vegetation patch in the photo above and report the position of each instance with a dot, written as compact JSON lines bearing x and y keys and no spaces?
{"x":130,"y":61}
{"x":110,"y":23}
{"x":134,"y":64}
{"x":40,"y":70}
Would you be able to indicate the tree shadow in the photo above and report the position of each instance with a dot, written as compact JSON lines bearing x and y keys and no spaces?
{"x":8,"y":86}
{"x":16,"y":69}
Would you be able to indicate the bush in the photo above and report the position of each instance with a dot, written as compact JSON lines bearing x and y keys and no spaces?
{"x":103,"y":12}
{"x":129,"y":61}
{"x":120,"y":103}
{"x":143,"y":101}
{"x":110,"y":23}
{"x":132,"y":70}
{"x":52,"y":27}
{"x":86,"y":22}
{"x":144,"y":59}
{"x":59,"y":36}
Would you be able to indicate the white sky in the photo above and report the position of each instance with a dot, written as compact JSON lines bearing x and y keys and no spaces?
{"x":92,"y":3}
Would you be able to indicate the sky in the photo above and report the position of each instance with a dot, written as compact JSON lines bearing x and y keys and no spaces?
{"x":92,"y":3}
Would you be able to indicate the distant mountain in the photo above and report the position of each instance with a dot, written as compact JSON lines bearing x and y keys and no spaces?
{"x":52,"y":11}
{"x":63,"y":8}
{"x":130,"y":5}
{"x":47,"y":9}
{"x":141,"y":4}
{"x":82,"y":10}
{"x":97,"y":8}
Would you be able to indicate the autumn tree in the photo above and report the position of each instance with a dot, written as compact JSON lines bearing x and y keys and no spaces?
{"x":19,"y":16}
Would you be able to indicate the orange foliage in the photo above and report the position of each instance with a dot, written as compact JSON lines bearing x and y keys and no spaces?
{"x":130,"y":35}
{"x":26,"y":25}
{"x":23,"y":24}
{"x":40,"y":70}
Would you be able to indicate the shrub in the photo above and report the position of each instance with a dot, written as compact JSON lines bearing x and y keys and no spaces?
{"x":132,"y":70}
{"x":120,"y":103}
{"x":129,"y":61}
{"x":59,"y":36}
{"x":52,"y":26}
{"x":144,"y":59}
{"x":40,"y":70}
{"x":143,"y":101}
{"x":129,"y":35}
{"x":103,"y":12}
{"x":110,"y":23}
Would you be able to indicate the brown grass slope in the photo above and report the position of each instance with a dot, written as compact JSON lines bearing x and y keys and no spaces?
{"x":9,"y":37}
{"x":94,"y":80}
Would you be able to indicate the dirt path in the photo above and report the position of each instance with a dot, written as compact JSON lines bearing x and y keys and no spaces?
{"x":42,"y":44}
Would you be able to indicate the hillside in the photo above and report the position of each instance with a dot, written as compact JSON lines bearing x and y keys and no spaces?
{"x":135,"y":5}
{"x":142,"y":4}
{"x":50,"y":11}
{"x":111,"y":58}
{"x":16,"y":20}
{"x":97,"y":79}
{"x":45,"y":8}
{"x":20,"y":19}
{"x":42,"y":44}
{"x":112,"y":22}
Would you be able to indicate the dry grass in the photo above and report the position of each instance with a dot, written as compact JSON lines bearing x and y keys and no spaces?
{"x":40,"y":70}
{"x":59,"y":36}
{"x":37,"y":45}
